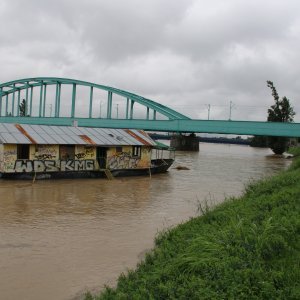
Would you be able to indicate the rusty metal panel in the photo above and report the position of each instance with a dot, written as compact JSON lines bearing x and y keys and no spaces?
{"x":139,"y":137}
{"x":132,"y":139}
{"x":67,"y":135}
{"x":87,"y":139}
{"x":21,"y":138}
{"x":77,"y":140}
{"x":144,"y":136}
{"x":30,"y":133}
{"x":122,"y":137}
{"x":96,"y":140}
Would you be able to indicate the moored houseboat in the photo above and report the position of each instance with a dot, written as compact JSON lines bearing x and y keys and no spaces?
{"x":43,"y":151}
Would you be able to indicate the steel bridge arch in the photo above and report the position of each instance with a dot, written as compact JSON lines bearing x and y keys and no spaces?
{"x":16,"y":86}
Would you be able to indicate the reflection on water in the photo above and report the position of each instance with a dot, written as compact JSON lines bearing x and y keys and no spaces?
{"x":58,"y":238}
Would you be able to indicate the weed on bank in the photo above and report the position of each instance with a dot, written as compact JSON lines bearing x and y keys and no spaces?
{"x":245,"y":248}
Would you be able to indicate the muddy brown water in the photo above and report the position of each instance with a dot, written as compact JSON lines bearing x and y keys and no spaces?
{"x":61,"y":238}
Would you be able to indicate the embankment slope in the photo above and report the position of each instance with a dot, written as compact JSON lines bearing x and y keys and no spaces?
{"x":246,"y":248}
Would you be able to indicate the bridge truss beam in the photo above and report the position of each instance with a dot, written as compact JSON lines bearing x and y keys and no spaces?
{"x":13,"y":90}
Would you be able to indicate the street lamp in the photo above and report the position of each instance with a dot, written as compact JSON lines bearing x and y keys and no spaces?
{"x":231,"y":106}
{"x":100,"y":109}
{"x":208,"y":111}
{"x":50,"y":108}
{"x":117,"y":107}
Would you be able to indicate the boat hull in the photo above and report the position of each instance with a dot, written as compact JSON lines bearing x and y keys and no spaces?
{"x":157,"y":166}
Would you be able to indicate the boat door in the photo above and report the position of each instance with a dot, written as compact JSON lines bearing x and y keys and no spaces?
{"x":101,"y":157}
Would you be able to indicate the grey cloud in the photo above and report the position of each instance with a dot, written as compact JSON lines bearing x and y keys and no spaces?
{"x":185,"y":54}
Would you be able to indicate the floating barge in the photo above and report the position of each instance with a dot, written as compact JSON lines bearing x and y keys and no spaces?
{"x":43,"y":151}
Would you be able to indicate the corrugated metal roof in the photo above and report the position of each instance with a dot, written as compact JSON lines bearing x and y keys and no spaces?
{"x":68,"y":135}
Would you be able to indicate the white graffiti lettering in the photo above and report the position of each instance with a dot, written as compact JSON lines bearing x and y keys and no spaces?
{"x":53,"y":166}
{"x":123,"y":160}
{"x":50,"y":166}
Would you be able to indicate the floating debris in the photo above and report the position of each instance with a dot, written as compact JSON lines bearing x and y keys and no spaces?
{"x":181,"y":168}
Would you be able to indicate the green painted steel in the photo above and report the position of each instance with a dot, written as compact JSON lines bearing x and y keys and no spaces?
{"x":127,"y":107}
{"x":131,"y":109}
{"x":44,"y":100}
{"x":41,"y":99}
{"x":176,"y":123}
{"x":19,"y":85}
{"x":6,"y":104}
{"x":188,"y":126}
{"x":109,"y":105}
{"x":91,"y":102}
{"x":13,"y":100}
{"x":1,"y":101}
{"x":31,"y":98}
{"x":26,"y":99}
{"x":19,"y":101}
{"x":73,"y":100}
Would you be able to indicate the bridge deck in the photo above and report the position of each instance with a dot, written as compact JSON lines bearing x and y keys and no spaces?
{"x":197,"y":126}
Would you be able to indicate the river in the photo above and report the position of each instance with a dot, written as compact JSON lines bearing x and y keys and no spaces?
{"x":60,"y":238}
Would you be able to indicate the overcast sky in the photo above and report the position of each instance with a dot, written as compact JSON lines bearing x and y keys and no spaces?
{"x":186,"y":54}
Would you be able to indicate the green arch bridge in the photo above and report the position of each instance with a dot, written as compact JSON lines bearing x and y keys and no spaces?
{"x":42,"y":91}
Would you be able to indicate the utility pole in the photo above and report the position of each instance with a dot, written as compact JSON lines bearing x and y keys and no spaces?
{"x":50,"y":107}
{"x":117,"y":107}
{"x":100,"y":109}
{"x":208,"y":111}
{"x":230,"y":109}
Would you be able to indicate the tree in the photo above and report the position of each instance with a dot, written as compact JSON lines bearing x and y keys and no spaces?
{"x":22,"y":108}
{"x":281,"y":111}
{"x":259,"y":141}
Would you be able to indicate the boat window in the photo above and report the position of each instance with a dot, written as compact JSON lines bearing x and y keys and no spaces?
{"x":23,"y":151}
{"x":66,"y":152}
{"x":136,"y":151}
{"x":119,"y":149}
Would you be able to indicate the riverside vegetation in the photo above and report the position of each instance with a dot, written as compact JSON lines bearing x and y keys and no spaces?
{"x":245,"y":248}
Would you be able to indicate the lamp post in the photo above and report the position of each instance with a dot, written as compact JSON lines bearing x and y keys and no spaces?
{"x":208,"y":111}
{"x":117,"y":107}
{"x":230,"y":109}
{"x":100,"y":109}
{"x":50,"y":108}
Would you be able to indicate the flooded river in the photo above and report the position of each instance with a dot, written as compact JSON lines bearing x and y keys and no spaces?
{"x":60,"y":238}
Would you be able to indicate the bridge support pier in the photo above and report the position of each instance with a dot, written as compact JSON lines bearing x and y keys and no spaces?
{"x":185,"y":142}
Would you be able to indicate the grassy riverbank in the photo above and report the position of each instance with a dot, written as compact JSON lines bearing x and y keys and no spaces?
{"x":246,"y":248}
{"x":295,"y":151}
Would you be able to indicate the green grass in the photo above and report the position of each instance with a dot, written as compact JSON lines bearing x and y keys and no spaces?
{"x":294,"y":150}
{"x":245,"y":248}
